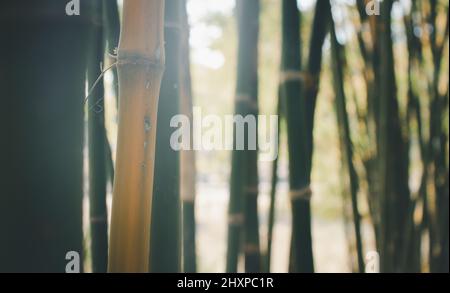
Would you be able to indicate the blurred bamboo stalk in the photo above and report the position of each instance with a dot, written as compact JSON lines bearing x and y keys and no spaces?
{"x":244,"y":174}
{"x":97,"y":152}
{"x":392,"y":158}
{"x":273,"y":192}
{"x":111,"y":22}
{"x":292,"y":79}
{"x":187,"y":157}
{"x":351,"y":182}
{"x":42,"y":80}
{"x":140,"y":68}
{"x":165,"y":252}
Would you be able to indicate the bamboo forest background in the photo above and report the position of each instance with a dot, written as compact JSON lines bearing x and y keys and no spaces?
{"x":362,"y":172}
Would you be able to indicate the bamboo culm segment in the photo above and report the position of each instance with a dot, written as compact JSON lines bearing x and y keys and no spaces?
{"x":111,"y":23}
{"x":273,"y":192}
{"x":299,"y":177}
{"x":97,"y":156}
{"x":42,"y":118}
{"x":351,"y":184}
{"x":243,"y":212}
{"x":165,"y":252}
{"x":392,"y":166}
{"x":140,"y":68}
{"x":187,"y":157}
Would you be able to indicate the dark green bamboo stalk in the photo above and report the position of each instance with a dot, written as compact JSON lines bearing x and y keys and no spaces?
{"x":392,"y":160}
{"x":319,"y":31}
{"x":187,"y":157}
{"x":273,"y":191}
{"x":42,"y":77}
{"x":111,"y":22}
{"x":165,"y":245}
{"x":318,"y":34}
{"x":244,"y":173}
{"x":291,"y":89}
{"x":97,"y":154}
{"x":248,"y":87}
{"x":346,"y":145}
{"x":437,"y":143}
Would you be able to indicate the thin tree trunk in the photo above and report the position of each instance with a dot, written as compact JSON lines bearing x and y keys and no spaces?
{"x":97,"y":155}
{"x":273,"y":191}
{"x":140,"y":69}
{"x":111,"y":22}
{"x":165,"y":253}
{"x":352,"y":184}
{"x":392,"y":163}
{"x":244,"y":173}
{"x":187,"y":157}
{"x":248,"y":88}
{"x":299,"y":177}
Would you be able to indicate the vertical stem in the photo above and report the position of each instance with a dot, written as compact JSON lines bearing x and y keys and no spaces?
{"x":42,"y":81}
{"x":111,"y":22}
{"x":97,"y":156}
{"x":299,"y":176}
{"x":392,"y":157}
{"x":272,"y":206}
{"x":140,"y":68}
{"x":165,"y":253}
{"x":244,"y":173}
{"x":187,"y":157}
{"x":338,"y":60}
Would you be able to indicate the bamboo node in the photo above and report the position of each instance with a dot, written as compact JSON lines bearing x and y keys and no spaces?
{"x":251,"y":248}
{"x":247,"y":100}
{"x":301,"y":194}
{"x":140,"y":61}
{"x":310,"y":81}
{"x":98,"y":219}
{"x":154,"y":61}
{"x":236,"y":219}
{"x":187,"y":197}
{"x":252,"y":190}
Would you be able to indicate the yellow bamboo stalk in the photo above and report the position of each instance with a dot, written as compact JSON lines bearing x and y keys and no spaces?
{"x":140,"y":68}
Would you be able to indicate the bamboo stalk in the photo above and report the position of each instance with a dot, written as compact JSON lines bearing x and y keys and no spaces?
{"x":140,"y":69}
{"x":272,"y":205}
{"x":244,"y":174}
{"x":97,"y":156}
{"x":165,"y":252}
{"x":346,"y":145}
{"x":392,"y":162}
{"x":42,"y":80}
{"x":320,"y":28}
{"x":187,"y":158}
{"x":291,"y":89}
{"x":248,"y":86}
{"x":111,"y":21}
